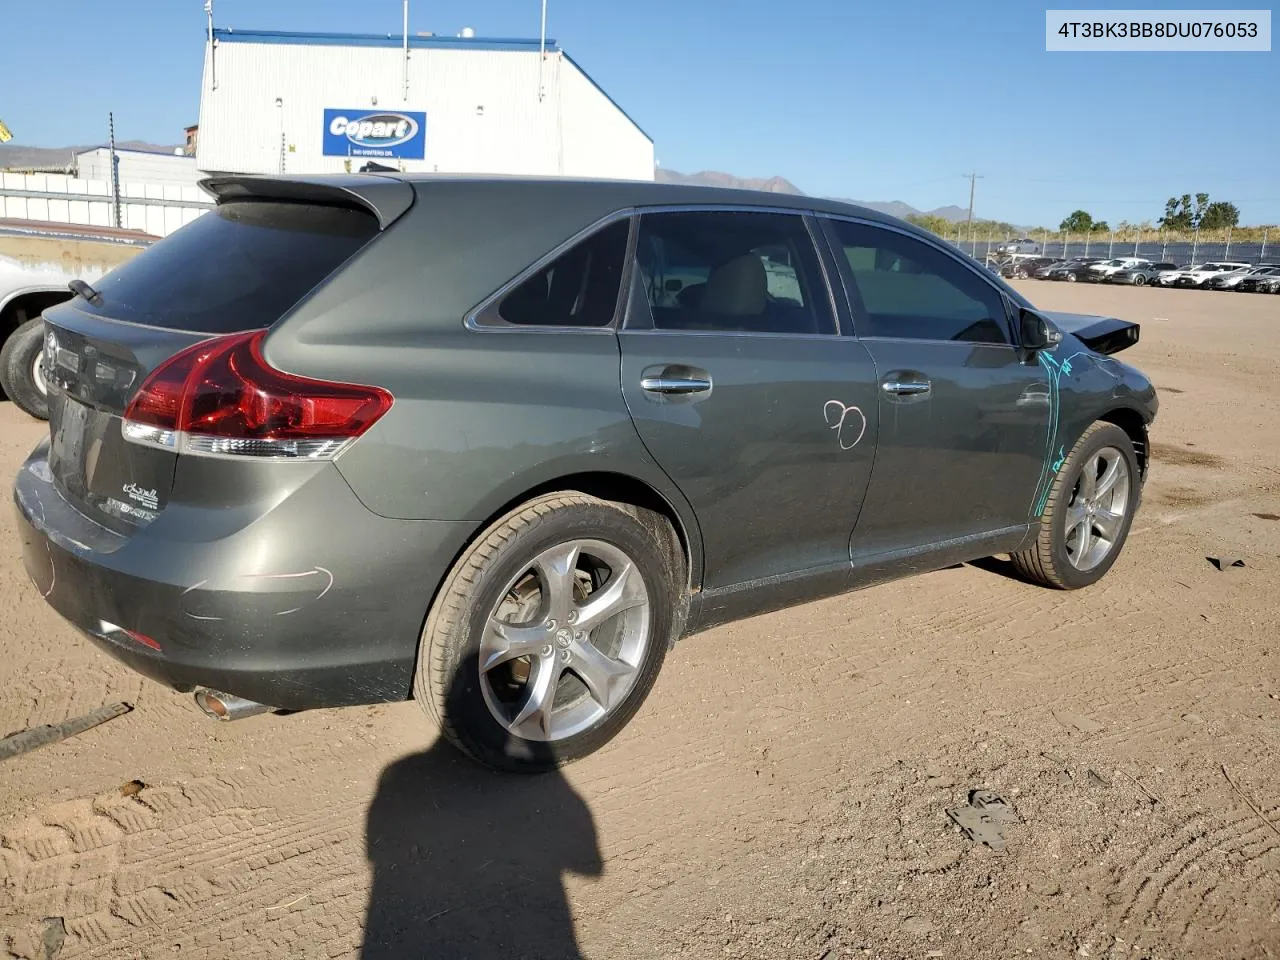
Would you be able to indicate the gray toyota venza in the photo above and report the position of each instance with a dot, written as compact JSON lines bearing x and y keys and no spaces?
{"x":496,"y":444}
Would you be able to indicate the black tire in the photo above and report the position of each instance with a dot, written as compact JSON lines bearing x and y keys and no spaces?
{"x":18,"y":356}
{"x":1072,"y":278}
{"x":1020,"y":274}
{"x":1139,"y":281}
{"x":447,"y":681}
{"x":1047,"y":562}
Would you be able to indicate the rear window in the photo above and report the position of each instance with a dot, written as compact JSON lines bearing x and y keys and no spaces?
{"x":240,"y":266}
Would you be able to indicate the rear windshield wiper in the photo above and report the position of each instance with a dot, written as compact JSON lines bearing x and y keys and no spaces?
{"x":83,"y":289}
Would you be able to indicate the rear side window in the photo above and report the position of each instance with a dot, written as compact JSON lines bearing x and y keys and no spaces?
{"x":577,"y":289}
{"x":912,"y":290}
{"x":732,"y":271}
{"x":241,"y":266}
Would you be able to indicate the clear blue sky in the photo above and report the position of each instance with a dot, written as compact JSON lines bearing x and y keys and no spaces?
{"x":856,"y":98}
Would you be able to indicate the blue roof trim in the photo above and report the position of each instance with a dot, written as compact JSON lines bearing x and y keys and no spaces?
{"x":229,"y":35}
{"x":618,"y":106}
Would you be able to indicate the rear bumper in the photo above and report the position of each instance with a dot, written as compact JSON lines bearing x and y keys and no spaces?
{"x":317,"y":602}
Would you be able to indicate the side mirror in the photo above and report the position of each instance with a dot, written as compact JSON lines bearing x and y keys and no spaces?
{"x":1036,"y":332}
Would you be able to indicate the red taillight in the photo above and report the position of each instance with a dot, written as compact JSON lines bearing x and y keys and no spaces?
{"x":221,"y":397}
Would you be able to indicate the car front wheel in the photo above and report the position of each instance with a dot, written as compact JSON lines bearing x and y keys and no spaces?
{"x":1088,"y":512}
{"x":549,"y":631}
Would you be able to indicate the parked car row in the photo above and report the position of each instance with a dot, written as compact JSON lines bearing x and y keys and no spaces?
{"x":1215,"y":275}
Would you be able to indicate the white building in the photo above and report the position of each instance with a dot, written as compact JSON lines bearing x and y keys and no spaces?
{"x":325,"y":103}
{"x":137,"y":166}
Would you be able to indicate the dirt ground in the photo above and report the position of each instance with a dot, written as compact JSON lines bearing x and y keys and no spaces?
{"x":784,"y":791}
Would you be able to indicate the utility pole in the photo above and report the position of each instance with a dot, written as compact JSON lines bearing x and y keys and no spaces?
{"x":213,"y":69}
{"x":406,"y":51}
{"x":969,"y":222}
{"x":115,"y":170}
{"x":542,"y":51}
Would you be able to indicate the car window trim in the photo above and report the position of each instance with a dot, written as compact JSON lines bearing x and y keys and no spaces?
{"x":484,"y":317}
{"x":808,"y":219}
{"x":1010,"y":299}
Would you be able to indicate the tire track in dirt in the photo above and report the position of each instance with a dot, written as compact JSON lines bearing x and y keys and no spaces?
{"x":175,"y":862}
{"x":1182,"y":862}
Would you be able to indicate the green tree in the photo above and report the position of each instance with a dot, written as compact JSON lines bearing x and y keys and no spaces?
{"x":1181,"y":214}
{"x":933,"y":224}
{"x":1220,"y":214}
{"x":1078,"y":222}
{"x":1178,"y":213}
{"x":1100,"y":226}
{"x":1202,"y":204}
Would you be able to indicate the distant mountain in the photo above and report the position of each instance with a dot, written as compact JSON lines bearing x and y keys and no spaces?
{"x":896,"y":208}
{"x":952,"y":213}
{"x":21,"y":156}
{"x":715,"y":178}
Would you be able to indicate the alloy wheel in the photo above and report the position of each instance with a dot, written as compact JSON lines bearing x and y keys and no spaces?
{"x":1096,"y":512}
{"x":565,"y":643}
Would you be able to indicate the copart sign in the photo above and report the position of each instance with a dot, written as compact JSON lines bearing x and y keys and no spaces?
{"x":374,"y":133}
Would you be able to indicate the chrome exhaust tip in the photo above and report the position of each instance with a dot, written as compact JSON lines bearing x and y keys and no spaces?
{"x":226,"y":706}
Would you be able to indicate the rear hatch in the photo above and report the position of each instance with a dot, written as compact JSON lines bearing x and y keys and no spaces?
{"x":240,"y":267}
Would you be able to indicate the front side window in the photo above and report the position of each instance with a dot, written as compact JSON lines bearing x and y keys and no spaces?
{"x":731,"y":271}
{"x":912,"y":290}
{"x":577,"y":289}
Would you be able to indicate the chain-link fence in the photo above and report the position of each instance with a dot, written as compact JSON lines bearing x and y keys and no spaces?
{"x":1258,"y":246}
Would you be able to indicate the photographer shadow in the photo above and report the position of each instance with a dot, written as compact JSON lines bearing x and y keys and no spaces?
{"x":468,"y":863}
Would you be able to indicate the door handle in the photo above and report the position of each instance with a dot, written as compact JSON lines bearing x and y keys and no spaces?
{"x":668,"y":384}
{"x":906,"y":388}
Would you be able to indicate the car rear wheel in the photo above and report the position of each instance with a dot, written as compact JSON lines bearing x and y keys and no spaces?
{"x":22,"y":369}
{"x":1139,"y":280}
{"x":1072,"y":278}
{"x":549,"y":631}
{"x":1088,"y":512}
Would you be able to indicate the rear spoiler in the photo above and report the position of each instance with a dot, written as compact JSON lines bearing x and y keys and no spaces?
{"x":1106,"y":335}
{"x":384,"y":197}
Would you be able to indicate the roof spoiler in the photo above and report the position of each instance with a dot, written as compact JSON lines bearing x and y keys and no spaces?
{"x":384,"y":197}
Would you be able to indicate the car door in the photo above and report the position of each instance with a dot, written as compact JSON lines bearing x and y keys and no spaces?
{"x":746,"y":394}
{"x":964,"y":413}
